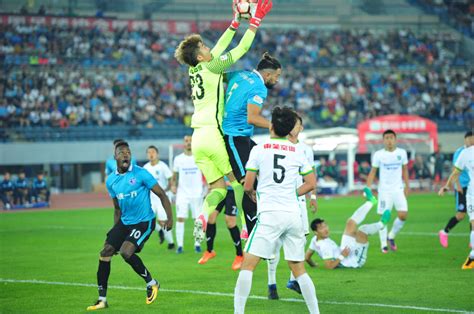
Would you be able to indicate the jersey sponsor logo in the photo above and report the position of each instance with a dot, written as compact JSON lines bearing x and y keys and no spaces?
{"x":122,"y":196}
{"x":280,"y":147}
{"x":132,"y":181}
{"x":258,"y":99}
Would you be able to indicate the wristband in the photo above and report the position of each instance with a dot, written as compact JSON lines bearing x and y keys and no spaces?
{"x":341,"y":257}
{"x":235,"y":24}
{"x":314,"y":197}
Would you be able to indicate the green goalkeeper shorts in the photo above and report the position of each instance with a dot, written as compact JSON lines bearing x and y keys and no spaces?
{"x":210,"y":153}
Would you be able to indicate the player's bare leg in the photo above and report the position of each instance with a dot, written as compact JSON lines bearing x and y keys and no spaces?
{"x":306,"y":285}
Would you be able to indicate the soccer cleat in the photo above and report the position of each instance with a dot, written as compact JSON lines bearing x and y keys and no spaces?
{"x":468,"y":264}
{"x":369,"y":196}
{"x":152,"y":293}
{"x":244,"y":235}
{"x":385,"y":217}
{"x":99,"y":305}
{"x":385,"y":250}
{"x":197,"y":249}
{"x":199,"y":231}
{"x":237,"y":262}
{"x":179,"y":250}
{"x":170,"y":246}
{"x":294,"y":285}
{"x":272,"y":292}
{"x":206,"y":257}
{"x":443,"y":238}
{"x":161,"y":235}
{"x":393,"y":246}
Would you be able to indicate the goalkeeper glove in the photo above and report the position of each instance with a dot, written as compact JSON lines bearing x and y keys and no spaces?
{"x":236,"y":20}
{"x":262,"y":9}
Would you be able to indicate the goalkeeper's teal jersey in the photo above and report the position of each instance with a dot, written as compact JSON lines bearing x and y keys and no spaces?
{"x":207,"y":80}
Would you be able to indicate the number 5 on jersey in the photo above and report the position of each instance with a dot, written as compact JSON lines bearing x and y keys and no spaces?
{"x":277,"y":166}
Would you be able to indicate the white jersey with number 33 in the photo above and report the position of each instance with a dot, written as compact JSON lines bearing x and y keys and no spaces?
{"x":279,"y":164}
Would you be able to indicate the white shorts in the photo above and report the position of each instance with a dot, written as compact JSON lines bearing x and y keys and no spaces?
{"x":304,"y":214}
{"x":184,"y":205}
{"x":273,"y":227}
{"x":159,"y":210}
{"x":470,"y":206}
{"x":388,"y":200}
{"x":358,"y":255}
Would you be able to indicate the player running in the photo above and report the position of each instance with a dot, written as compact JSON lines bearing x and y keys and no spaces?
{"x":465,"y":161}
{"x":246,"y":93}
{"x":206,"y":72}
{"x":278,"y":163}
{"x":352,"y":253}
{"x":305,"y":200}
{"x":189,"y":187}
{"x":129,"y":187}
{"x":393,"y":164}
{"x":162,"y":173}
{"x":461,"y":206}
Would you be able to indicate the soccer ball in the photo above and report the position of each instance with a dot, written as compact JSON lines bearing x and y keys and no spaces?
{"x":246,"y":8}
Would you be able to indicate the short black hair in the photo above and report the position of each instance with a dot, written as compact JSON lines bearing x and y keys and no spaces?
{"x":153,"y":147}
{"x":268,"y":63}
{"x":468,"y":134}
{"x":315,"y":223}
{"x":118,"y":140}
{"x":283,"y":120}
{"x":389,"y":132}
{"x":299,"y":118}
{"x":120,"y":144}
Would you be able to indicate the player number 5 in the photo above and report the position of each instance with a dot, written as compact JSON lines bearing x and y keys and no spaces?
{"x":276,"y":166}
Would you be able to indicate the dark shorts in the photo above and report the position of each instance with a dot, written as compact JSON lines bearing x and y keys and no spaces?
{"x":229,"y":204}
{"x":138,"y":234}
{"x":238,"y":149}
{"x":461,"y":204}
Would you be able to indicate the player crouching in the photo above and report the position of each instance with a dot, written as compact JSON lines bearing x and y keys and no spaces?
{"x":354,"y":243}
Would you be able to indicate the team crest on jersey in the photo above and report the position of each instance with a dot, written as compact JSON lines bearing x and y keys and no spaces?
{"x":258,"y":99}
{"x":224,"y":58}
{"x":399,"y":157}
{"x":132,"y":181}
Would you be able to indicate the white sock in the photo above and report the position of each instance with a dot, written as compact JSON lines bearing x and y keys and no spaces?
{"x":372,"y":228}
{"x":103,"y":299}
{"x":180,"y":233}
{"x":158,"y":227}
{"x":472,"y":245}
{"x":242,"y":290}
{"x":168,"y":236}
{"x":292,"y":277}
{"x":272,"y":269}
{"x":196,"y":243}
{"x":309,"y":293}
{"x":359,"y":215}
{"x":383,"y":237}
{"x":397,"y":226}
{"x":151,"y":283}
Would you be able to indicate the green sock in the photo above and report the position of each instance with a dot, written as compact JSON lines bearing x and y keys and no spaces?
{"x":239,"y":195}
{"x":212,"y":200}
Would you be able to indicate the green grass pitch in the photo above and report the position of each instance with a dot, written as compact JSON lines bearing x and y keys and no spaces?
{"x":56,"y":247}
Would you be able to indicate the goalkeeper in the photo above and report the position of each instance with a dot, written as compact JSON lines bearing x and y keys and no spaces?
{"x":206,"y":73}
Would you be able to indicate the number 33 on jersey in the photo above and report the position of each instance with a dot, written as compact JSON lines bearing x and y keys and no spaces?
{"x":279,"y":164}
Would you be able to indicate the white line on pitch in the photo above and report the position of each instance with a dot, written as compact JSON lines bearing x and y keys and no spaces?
{"x":222,"y":294}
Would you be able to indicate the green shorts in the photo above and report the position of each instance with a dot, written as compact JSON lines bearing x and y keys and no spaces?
{"x":210,"y":153}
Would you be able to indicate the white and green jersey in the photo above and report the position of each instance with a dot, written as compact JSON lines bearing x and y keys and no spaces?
{"x":206,"y":80}
{"x":279,"y":164}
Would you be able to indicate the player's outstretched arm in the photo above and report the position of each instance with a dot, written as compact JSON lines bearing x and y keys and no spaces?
{"x":453,"y":177}
{"x":117,"y":210}
{"x":255,"y":118}
{"x":309,"y":183}
{"x":226,"y":38}
{"x":309,"y":260}
{"x":166,"y":204}
{"x":219,"y":65}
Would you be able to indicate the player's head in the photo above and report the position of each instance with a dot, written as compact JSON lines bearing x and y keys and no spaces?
{"x":469,"y":138}
{"x":187,"y":143}
{"x":123,"y":156}
{"x":152,"y":153}
{"x":389,"y":140}
{"x":270,"y":69}
{"x":6,"y":175}
{"x":320,"y":228}
{"x":118,"y":140}
{"x":192,"y":50}
{"x":21,"y":174}
{"x":293,"y":136}
{"x":283,"y":121}
{"x":40,"y":175}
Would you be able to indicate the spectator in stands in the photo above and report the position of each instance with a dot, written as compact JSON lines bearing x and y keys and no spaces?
{"x":438,"y":159}
{"x":364,"y":170}
{"x":40,"y":189}
{"x":22,"y":190}
{"x":6,"y":191}
{"x":422,"y":172}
